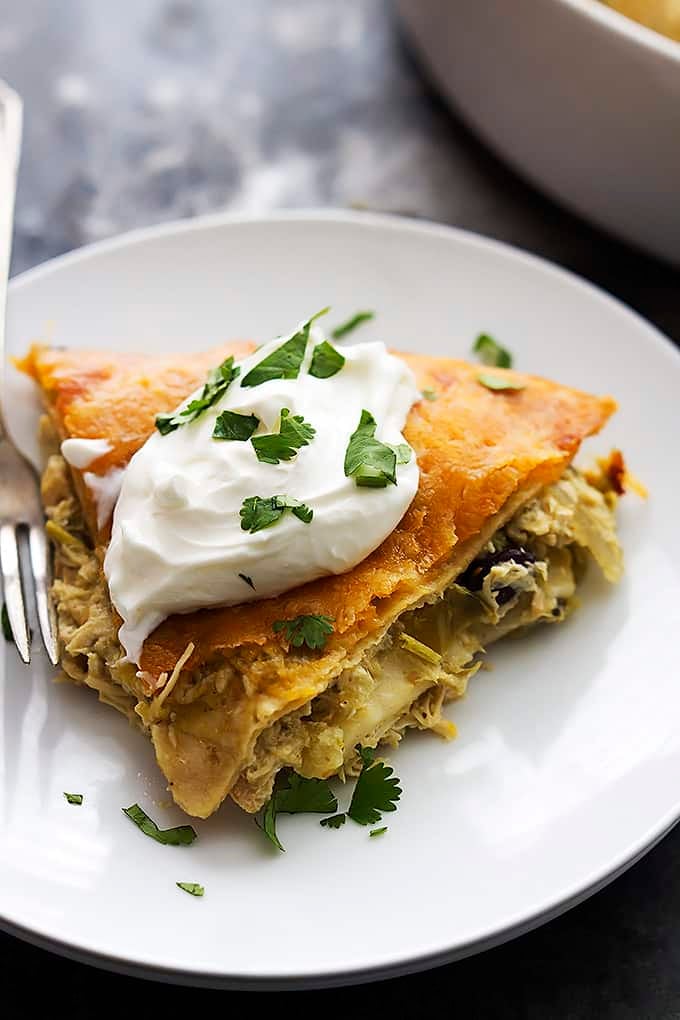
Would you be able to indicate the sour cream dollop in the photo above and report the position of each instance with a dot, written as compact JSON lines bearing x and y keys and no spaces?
{"x":80,"y":453}
{"x":177,"y":544}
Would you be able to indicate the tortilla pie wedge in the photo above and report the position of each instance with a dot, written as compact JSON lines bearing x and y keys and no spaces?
{"x":496,"y":539}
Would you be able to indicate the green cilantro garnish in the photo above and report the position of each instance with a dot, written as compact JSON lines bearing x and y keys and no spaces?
{"x":232,"y":425}
{"x":181,"y":835}
{"x":377,"y":790}
{"x":268,"y":825}
{"x":4,"y":622}
{"x":403,"y":453}
{"x":248,"y":580}
{"x":193,"y":888}
{"x":294,"y":432}
{"x":285,"y":361}
{"x":258,"y":513}
{"x":346,"y":327}
{"x":378,"y":832}
{"x":309,"y":630}
{"x":491,"y":353}
{"x":429,"y":394}
{"x":74,"y":798}
{"x":305,"y":795}
{"x":496,"y":382}
{"x":215,"y":387}
{"x":334,"y":822}
{"x":368,"y":461}
{"x":297,"y":796}
{"x":326,"y":361}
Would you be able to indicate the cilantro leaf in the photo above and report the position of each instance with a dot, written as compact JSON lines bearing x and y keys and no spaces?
{"x":269,"y":824}
{"x":378,"y":832}
{"x":326,"y":361}
{"x":305,"y":796}
{"x":232,"y":425}
{"x":334,"y":822}
{"x":248,"y":580}
{"x":258,"y":513}
{"x":367,"y":460}
{"x":296,"y":795}
{"x":74,"y":798}
{"x":430,"y":394}
{"x":216,"y":386}
{"x":347,"y":327}
{"x":294,"y":432}
{"x":491,"y":353}
{"x":309,"y":630}
{"x":193,"y":888}
{"x":497,"y":382}
{"x":181,"y":835}
{"x":285,"y":361}
{"x":377,"y":790}
{"x":403,"y":453}
{"x":4,"y":622}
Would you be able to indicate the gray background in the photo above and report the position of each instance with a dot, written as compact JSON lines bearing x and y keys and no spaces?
{"x":139,"y":111}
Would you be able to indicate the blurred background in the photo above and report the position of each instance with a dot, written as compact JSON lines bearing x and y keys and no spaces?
{"x":141,"y":111}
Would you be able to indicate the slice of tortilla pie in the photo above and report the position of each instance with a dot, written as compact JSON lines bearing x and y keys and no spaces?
{"x":482,"y":453}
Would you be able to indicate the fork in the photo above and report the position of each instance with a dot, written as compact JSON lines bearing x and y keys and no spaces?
{"x":20,"y":506}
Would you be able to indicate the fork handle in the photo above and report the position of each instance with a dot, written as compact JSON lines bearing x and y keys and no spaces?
{"x":10,"y":148}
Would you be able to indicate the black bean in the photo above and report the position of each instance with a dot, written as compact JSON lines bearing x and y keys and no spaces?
{"x":473,"y":576}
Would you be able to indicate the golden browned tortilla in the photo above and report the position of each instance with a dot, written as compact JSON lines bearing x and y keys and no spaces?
{"x":243,"y":703}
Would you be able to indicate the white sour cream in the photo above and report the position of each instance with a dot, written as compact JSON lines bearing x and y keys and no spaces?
{"x":177,"y":543}
{"x":80,"y":453}
{"x":105,"y":491}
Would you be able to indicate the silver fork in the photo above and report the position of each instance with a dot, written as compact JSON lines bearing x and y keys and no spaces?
{"x":20,"y":507}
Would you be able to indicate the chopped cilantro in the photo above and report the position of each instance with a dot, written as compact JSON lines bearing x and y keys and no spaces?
{"x":377,"y":790}
{"x":193,"y":888}
{"x":74,"y":798}
{"x":403,"y":453}
{"x":215,"y":387}
{"x":326,"y":361}
{"x":6,"y":626}
{"x":378,"y":832}
{"x":248,"y":580}
{"x":285,"y":361}
{"x":309,"y":630}
{"x":268,"y":824}
{"x":368,"y":461}
{"x":258,"y":513}
{"x":491,"y":353}
{"x":294,"y":433}
{"x":417,"y":648}
{"x":305,"y":795}
{"x":334,"y":822}
{"x":296,"y":795}
{"x":497,"y":382}
{"x":232,"y":425}
{"x":347,"y":327}
{"x":430,"y":394}
{"x":181,"y":835}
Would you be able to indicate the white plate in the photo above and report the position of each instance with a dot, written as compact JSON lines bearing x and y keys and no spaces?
{"x":567,"y":766}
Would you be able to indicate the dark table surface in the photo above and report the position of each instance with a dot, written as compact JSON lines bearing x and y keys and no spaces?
{"x":147,"y":110}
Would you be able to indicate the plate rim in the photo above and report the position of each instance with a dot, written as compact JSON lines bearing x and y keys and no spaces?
{"x":194,"y":976}
{"x":337,"y":979}
{"x":332,"y":214}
